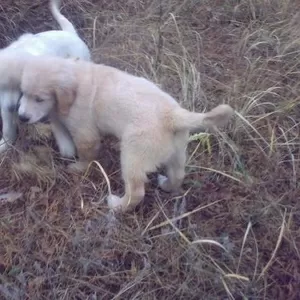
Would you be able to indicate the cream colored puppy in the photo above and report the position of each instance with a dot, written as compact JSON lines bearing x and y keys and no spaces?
{"x":92,"y":100}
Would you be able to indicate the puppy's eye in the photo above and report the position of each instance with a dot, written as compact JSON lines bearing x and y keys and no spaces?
{"x":39,"y":100}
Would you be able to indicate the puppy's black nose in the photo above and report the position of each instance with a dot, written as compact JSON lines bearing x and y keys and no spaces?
{"x":23,"y":118}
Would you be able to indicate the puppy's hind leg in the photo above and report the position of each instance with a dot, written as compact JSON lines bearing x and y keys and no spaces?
{"x":138,"y":157}
{"x":175,"y":173}
{"x":134,"y":178}
{"x":175,"y":165}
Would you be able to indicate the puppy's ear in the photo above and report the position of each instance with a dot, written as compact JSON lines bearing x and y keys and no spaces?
{"x":65,"y":94}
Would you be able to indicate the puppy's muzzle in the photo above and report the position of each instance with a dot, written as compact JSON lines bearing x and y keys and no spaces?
{"x":24,"y":118}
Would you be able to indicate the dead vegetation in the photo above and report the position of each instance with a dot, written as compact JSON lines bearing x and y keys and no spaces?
{"x":234,"y":232}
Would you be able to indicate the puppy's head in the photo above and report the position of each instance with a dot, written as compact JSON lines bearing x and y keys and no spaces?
{"x":48,"y":86}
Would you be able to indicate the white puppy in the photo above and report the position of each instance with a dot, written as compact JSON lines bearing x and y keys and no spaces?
{"x":63,"y":43}
{"x":94,"y":100}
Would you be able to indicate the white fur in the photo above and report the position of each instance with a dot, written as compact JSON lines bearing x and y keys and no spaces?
{"x":63,"y":43}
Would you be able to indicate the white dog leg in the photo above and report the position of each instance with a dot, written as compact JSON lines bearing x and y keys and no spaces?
{"x":63,"y":139}
{"x":9,"y":129}
{"x":175,"y":166}
{"x":134,"y":173}
{"x":175,"y":172}
{"x":9,"y":102}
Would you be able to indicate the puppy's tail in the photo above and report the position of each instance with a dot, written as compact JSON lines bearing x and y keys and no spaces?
{"x":63,"y":22}
{"x":191,"y":121}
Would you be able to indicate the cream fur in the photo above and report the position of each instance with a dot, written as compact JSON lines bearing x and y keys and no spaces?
{"x":94,"y":100}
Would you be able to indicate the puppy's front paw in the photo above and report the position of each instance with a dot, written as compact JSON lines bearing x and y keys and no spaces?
{"x":77,"y":167}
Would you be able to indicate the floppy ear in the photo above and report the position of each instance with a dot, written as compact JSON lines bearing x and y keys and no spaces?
{"x":65,"y":94}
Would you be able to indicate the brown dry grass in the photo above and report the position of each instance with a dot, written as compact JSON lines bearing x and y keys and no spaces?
{"x":234,"y":233}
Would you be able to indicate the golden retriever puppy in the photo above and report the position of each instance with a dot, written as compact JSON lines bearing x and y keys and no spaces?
{"x":93,"y":100}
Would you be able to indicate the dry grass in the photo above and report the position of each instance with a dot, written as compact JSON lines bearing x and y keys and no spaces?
{"x":234,"y":232}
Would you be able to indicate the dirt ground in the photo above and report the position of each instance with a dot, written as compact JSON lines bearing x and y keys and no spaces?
{"x":234,"y":232}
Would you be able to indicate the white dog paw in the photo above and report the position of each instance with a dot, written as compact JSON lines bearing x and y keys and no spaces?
{"x":164,"y":183}
{"x":115,"y":203}
{"x":161,"y":179}
{"x":3,"y":146}
{"x":67,"y":150}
